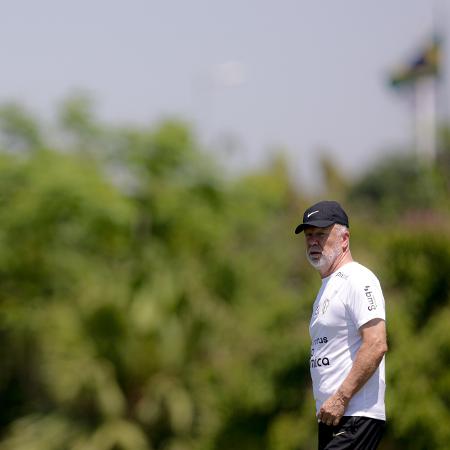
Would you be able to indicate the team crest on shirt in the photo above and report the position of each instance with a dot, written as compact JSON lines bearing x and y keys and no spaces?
{"x":321,"y":307}
{"x":325,"y":305}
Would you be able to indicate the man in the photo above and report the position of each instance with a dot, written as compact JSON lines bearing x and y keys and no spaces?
{"x":348,"y":335}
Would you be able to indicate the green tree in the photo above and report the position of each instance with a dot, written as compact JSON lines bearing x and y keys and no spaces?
{"x":148,"y":302}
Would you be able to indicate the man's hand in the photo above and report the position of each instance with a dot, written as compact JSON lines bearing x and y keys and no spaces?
{"x":333,"y":409}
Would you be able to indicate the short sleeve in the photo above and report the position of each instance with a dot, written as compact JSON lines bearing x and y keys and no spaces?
{"x":365,"y":299}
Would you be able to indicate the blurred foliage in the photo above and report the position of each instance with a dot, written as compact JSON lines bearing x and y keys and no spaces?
{"x":148,"y":302}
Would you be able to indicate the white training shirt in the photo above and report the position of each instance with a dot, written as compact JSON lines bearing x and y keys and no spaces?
{"x":348,"y":298}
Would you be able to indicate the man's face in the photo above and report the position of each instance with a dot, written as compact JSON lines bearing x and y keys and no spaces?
{"x":323,"y":246}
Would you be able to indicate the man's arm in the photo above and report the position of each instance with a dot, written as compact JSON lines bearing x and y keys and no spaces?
{"x":367,"y":360}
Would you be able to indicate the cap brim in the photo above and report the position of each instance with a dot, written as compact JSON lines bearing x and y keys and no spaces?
{"x":314,"y":223}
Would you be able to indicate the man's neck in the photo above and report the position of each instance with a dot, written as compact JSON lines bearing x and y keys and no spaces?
{"x":340,"y":261}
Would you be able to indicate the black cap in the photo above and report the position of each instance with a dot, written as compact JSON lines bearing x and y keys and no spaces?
{"x":322,"y":215}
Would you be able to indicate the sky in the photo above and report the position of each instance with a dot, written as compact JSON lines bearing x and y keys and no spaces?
{"x":254,"y":77}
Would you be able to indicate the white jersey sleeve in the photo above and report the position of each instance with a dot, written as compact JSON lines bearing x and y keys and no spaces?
{"x":365,"y":300}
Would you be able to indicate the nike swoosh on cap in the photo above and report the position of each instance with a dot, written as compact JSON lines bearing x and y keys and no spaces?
{"x":311,"y":213}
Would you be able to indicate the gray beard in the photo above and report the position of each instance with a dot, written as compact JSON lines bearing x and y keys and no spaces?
{"x":326,"y":260}
{"x":322,"y":262}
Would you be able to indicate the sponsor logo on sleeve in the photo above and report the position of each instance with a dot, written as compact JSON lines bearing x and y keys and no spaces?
{"x":370,"y":298}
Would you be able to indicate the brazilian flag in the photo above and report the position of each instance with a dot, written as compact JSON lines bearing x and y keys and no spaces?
{"x":427,"y":62}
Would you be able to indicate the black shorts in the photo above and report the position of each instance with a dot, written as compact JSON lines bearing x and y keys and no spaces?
{"x":353,"y":432}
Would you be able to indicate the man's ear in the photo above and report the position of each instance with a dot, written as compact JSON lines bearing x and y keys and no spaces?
{"x":346,"y":240}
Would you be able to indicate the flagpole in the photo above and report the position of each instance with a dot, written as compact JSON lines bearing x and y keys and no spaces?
{"x":439,"y":24}
{"x":424,"y":112}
